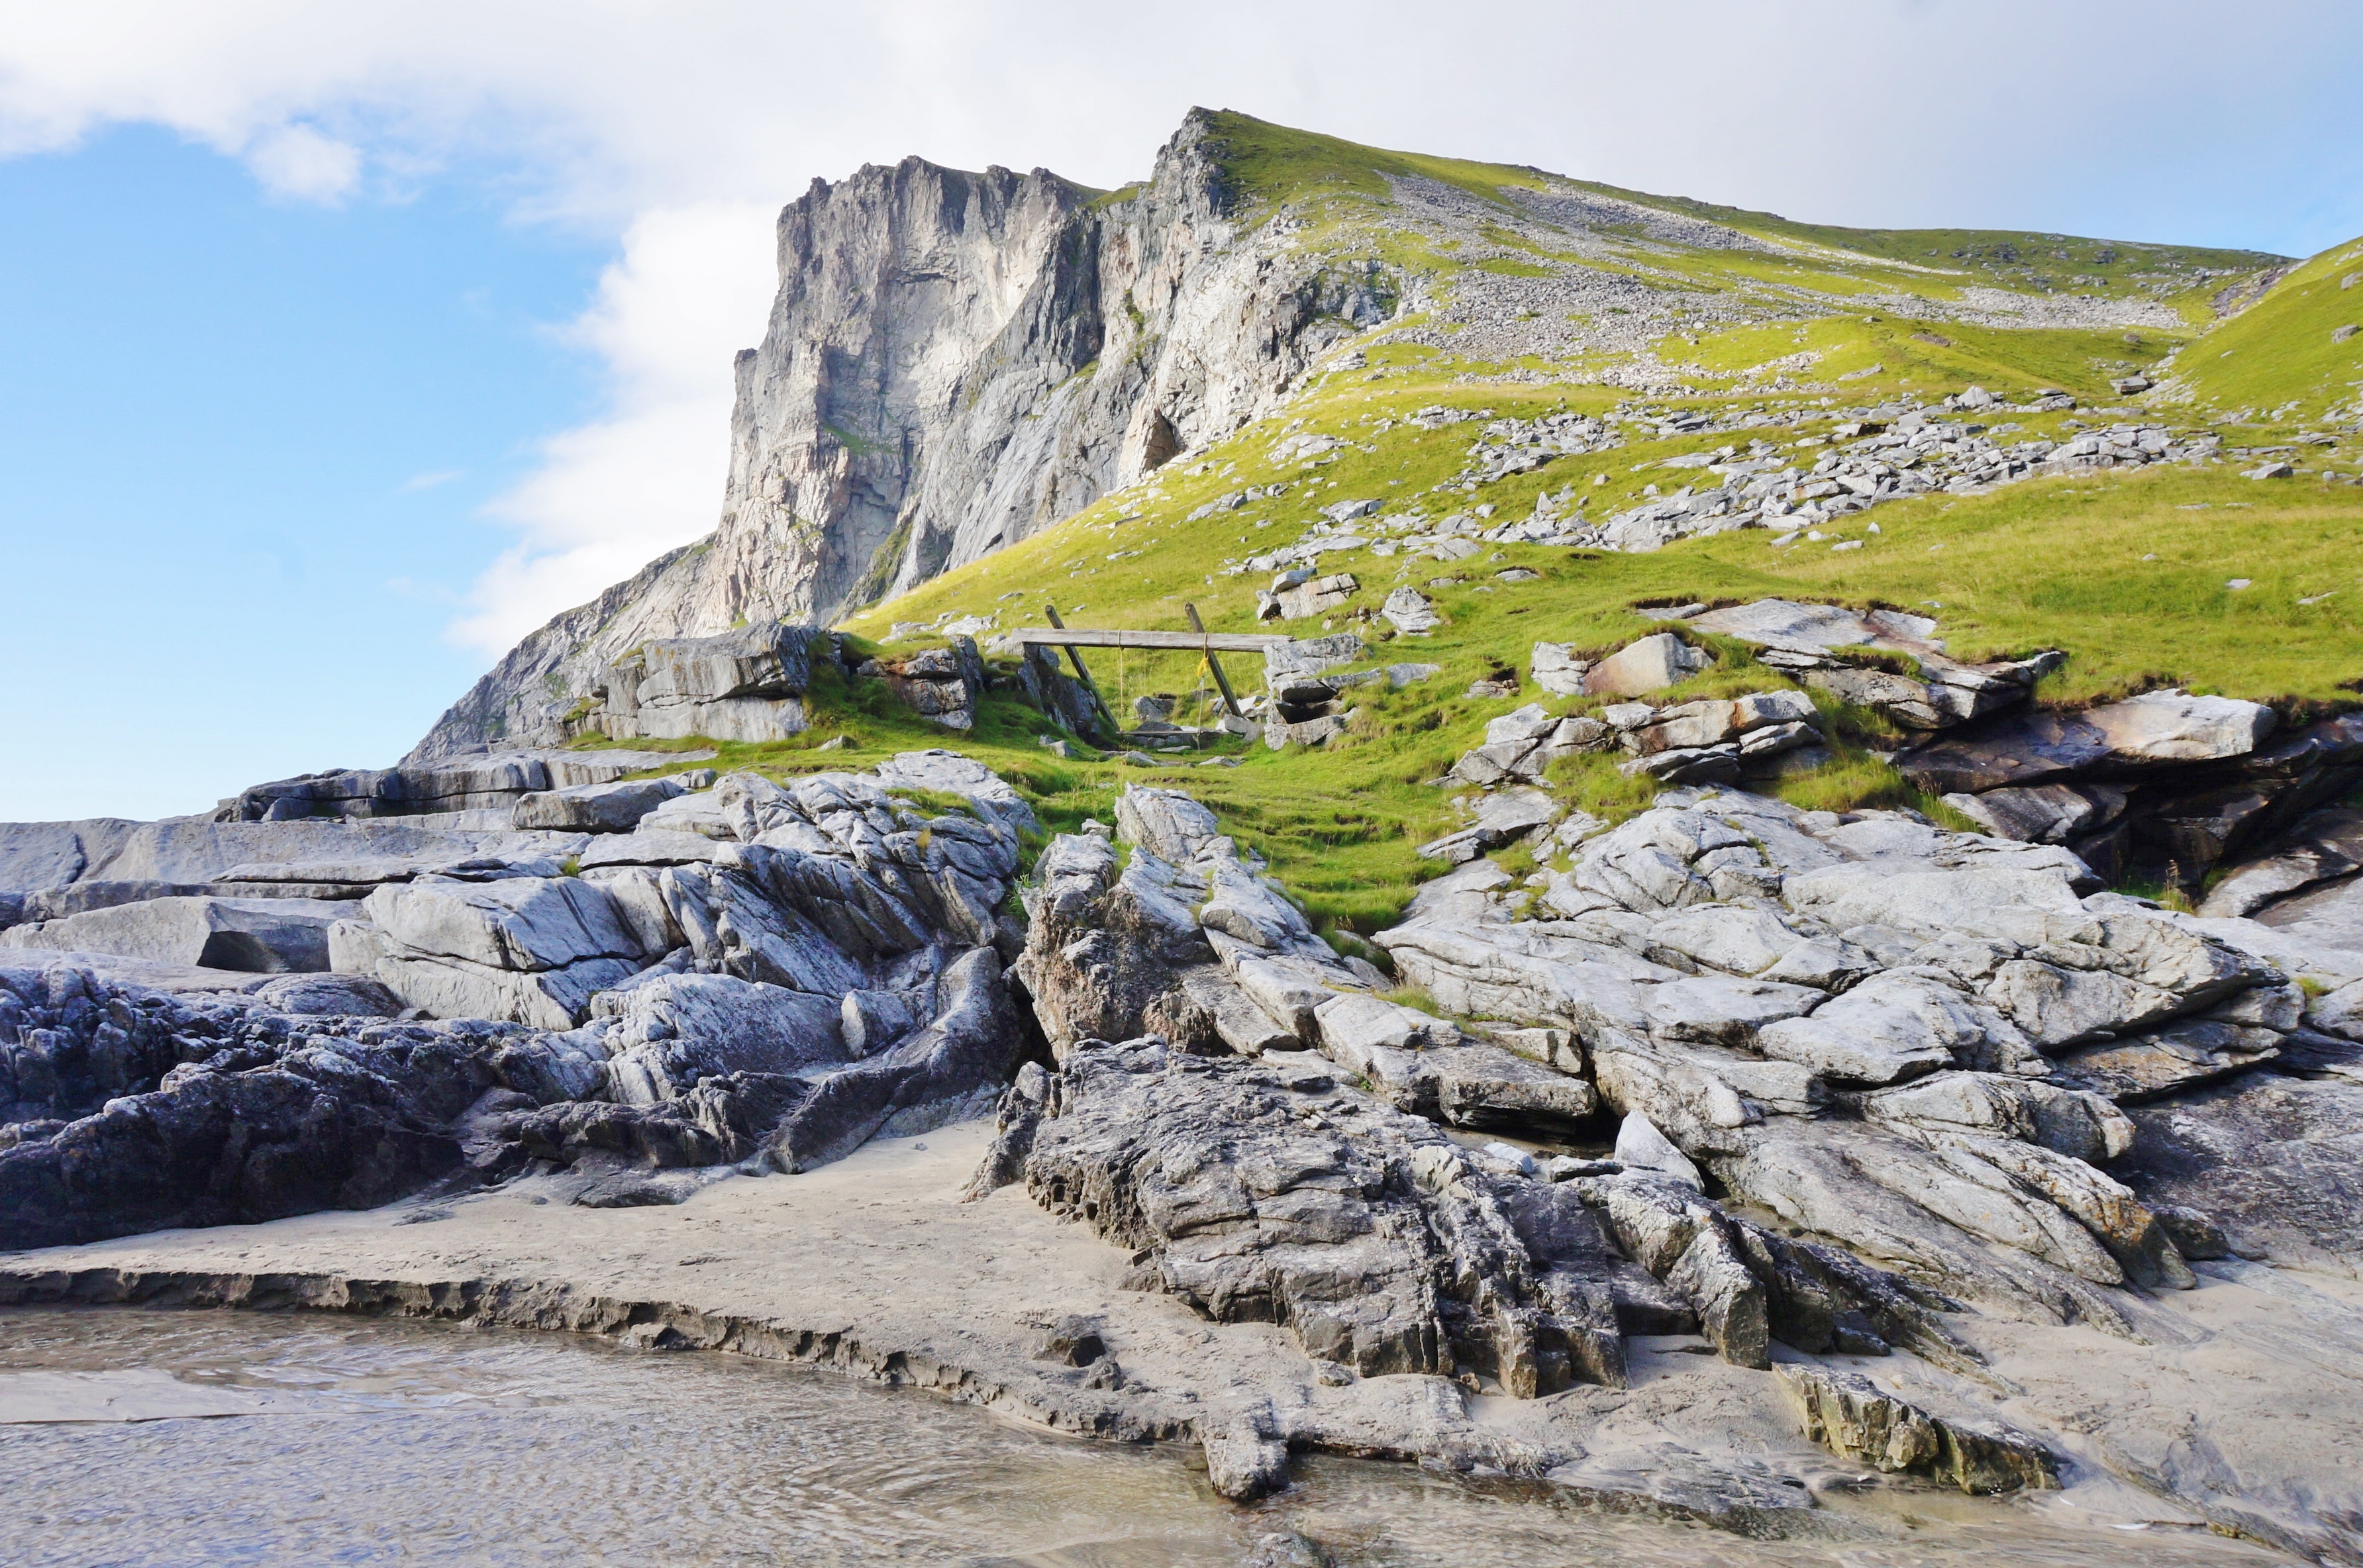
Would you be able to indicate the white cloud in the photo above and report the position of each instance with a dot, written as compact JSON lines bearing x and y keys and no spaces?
{"x":690,"y":289}
{"x":298,"y":162}
{"x":681,"y":126}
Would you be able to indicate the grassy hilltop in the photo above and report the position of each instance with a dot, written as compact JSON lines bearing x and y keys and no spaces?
{"x":1785,"y":333}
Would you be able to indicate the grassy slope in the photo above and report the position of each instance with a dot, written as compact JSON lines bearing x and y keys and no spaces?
{"x":1269,"y":163}
{"x":2048,"y":562}
{"x":1934,"y":357}
{"x":2001,"y":258}
{"x":2275,"y":361}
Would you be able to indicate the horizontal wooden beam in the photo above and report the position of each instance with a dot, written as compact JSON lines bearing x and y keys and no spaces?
{"x":1184,"y":642}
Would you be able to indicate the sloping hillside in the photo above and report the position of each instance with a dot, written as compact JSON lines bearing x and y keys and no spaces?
{"x":2292,"y":356}
{"x":1581,"y":402}
{"x":956,"y":362}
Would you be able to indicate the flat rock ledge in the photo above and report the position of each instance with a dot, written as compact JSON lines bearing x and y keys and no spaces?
{"x":876,"y":1268}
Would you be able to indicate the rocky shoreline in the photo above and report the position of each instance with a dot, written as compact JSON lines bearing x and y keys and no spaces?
{"x":1734,"y":1153}
{"x":874,"y":1268}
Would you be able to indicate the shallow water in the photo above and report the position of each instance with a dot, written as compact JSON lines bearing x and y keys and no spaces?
{"x":220,"y":1438}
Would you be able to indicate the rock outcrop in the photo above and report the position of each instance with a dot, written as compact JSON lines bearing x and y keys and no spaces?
{"x":761,"y":973}
{"x":953,"y":362}
{"x":1786,"y":1085}
{"x":1855,"y":1419}
{"x":2162,"y":787}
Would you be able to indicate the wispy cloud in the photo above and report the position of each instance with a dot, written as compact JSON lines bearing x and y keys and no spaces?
{"x":689,"y":290}
{"x":429,"y":480}
{"x":298,"y":162}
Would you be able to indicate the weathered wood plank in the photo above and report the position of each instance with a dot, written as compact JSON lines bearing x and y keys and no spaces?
{"x":1181,"y":642}
{"x":1222,"y":683}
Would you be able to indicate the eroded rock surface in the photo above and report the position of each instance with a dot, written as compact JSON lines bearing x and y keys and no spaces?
{"x":1780,"y":1084}
{"x":745,"y":972}
{"x":1855,"y":1419}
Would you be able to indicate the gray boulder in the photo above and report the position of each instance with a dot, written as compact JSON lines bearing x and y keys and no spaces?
{"x":1259,"y":1196}
{"x":952,"y":1070}
{"x":1891,"y":1027}
{"x":595,"y":808}
{"x":438,"y":789}
{"x":941,"y":685}
{"x":1808,"y":642}
{"x":2041,"y":813}
{"x":1641,"y":1147}
{"x":746,"y":685}
{"x":1853,"y":1418}
{"x":126,"y":1109}
{"x":521,"y":923}
{"x":1557,"y":670}
{"x":2076,"y":1122}
{"x":2321,"y":848}
{"x":1650,"y":664}
{"x":1312,"y":657}
{"x":676,"y":1030}
{"x":1165,"y":822}
{"x":1502,"y":817}
{"x":525,"y":948}
{"x":2141,"y":733}
{"x":1409,"y":611}
{"x":257,"y":935}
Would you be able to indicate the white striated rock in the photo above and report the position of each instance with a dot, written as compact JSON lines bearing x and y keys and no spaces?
{"x":1557,"y":670}
{"x":1649,"y":665}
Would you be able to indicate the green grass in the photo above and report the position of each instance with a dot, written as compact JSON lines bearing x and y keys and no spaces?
{"x":1930,"y":357}
{"x":2275,"y":359}
{"x":1268,"y":164}
{"x":2048,"y":262}
{"x":2127,"y":571}
{"x":2056,"y":562}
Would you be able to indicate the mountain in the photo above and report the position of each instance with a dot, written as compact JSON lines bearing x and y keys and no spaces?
{"x":955,"y":361}
{"x":1771,"y":845}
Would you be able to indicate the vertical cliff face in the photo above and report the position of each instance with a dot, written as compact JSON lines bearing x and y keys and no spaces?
{"x":954,"y":361}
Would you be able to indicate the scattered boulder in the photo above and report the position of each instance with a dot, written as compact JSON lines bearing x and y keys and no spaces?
{"x":1812,"y":642}
{"x":1312,"y":655}
{"x":1410,"y":612}
{"x":1557,"y":670}
{"x":1650,"y":664}
{"x":1853,"y":1419}
{"x":1520,"y":746}
{"x":1314,"y":597}
{"x":1243,"y":1466}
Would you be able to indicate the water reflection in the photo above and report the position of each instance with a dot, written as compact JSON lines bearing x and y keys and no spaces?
{"x":217,"y":1438}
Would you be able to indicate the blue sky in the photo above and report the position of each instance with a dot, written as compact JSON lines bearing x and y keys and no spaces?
{"x":245,"y":445}
{"x":341,"y":345}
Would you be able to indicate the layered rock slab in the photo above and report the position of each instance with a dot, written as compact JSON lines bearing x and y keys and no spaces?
{"x":1273,"y":1197}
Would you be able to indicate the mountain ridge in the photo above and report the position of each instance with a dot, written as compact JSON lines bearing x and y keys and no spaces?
{"x":955,"y":361}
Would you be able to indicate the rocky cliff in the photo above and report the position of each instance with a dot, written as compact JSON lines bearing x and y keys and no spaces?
{"x":954,"y":361}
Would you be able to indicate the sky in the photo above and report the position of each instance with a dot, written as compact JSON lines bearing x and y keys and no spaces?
{"x":343,"y":344}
